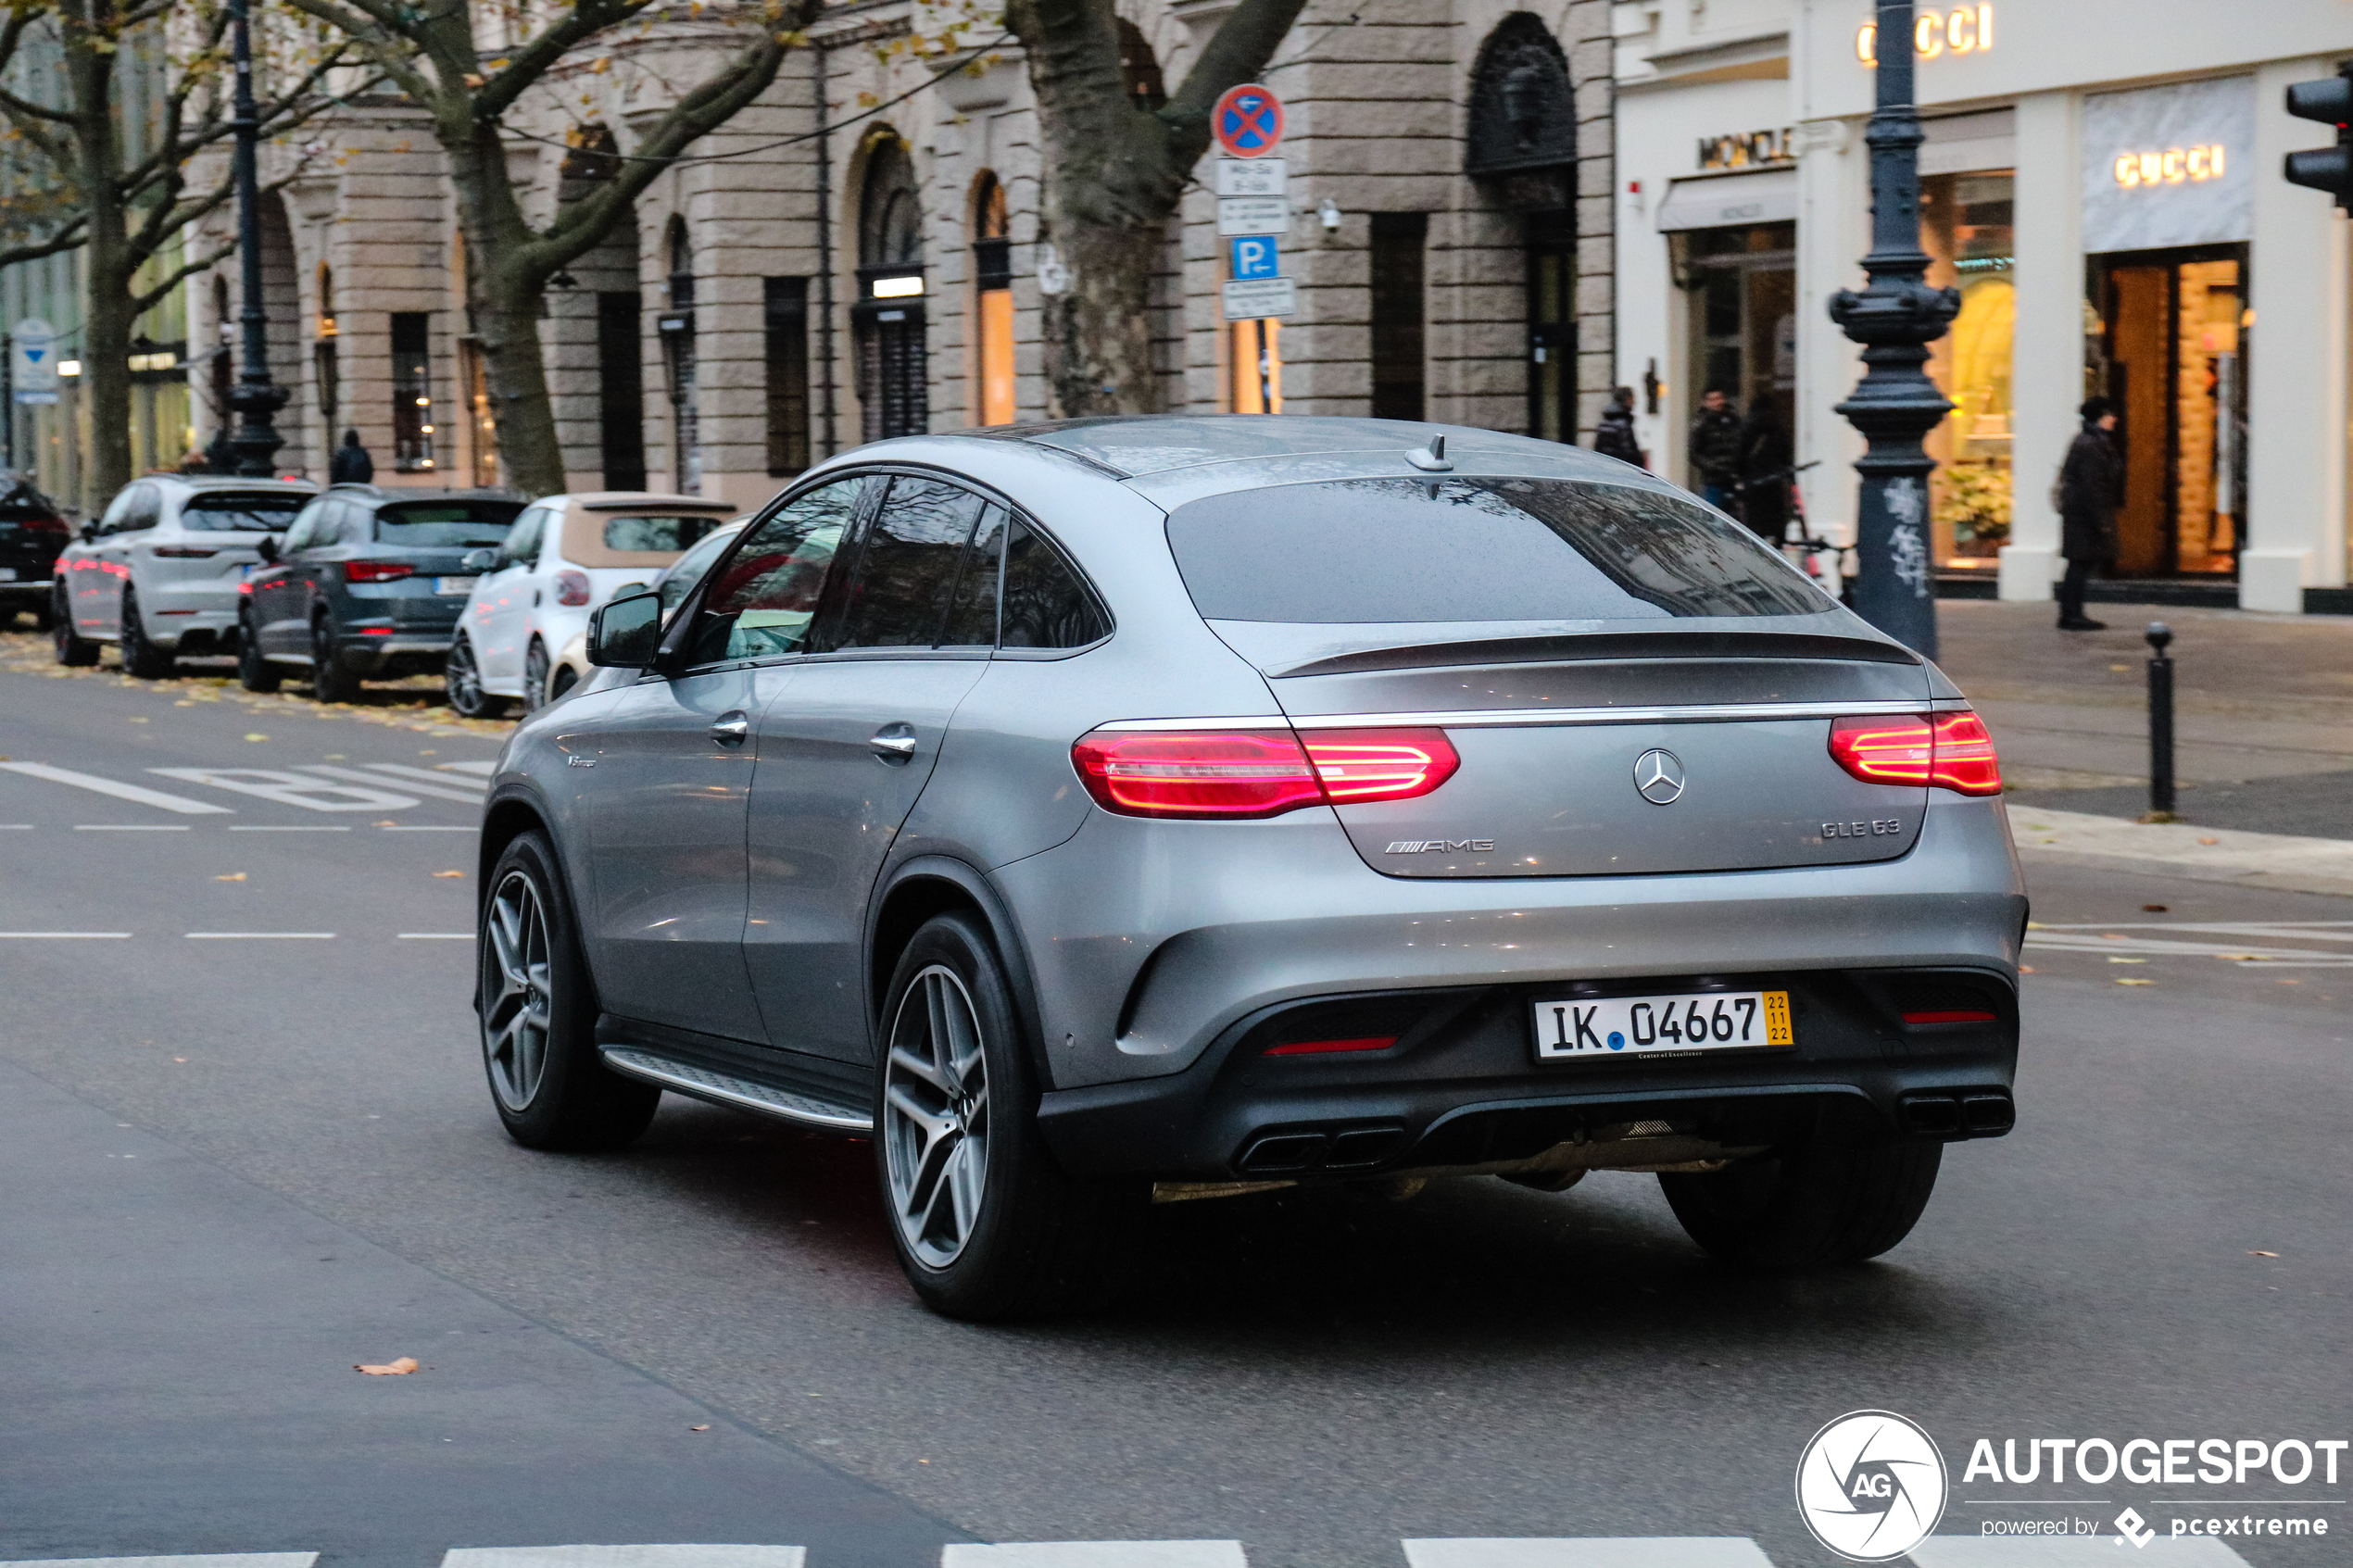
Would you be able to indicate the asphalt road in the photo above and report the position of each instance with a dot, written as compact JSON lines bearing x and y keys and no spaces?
{"x":235,"y":1164}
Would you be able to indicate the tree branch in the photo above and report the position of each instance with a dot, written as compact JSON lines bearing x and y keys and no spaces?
{"x":64,"y":239}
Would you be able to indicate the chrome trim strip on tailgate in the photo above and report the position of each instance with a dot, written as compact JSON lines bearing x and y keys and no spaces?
{"x":1524,"y":718}
{"x":742,"y":1093}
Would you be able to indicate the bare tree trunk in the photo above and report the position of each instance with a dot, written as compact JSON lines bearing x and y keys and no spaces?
{"x":1115,"y":175}
{"x":106,"y":262}
{"x":506,"y":293}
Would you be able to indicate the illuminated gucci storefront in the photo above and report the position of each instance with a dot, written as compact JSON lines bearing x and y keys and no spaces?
{"x":2120,"y":236}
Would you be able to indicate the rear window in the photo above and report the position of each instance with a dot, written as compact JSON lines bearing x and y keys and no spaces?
{"x":670,"y":533}
{"x":1473,"y":549}
{"x":215,"y":512}
{"x":20,"y":501}
{"x":460,"y":525}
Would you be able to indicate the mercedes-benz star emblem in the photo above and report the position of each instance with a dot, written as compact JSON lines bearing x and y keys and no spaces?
{"x":1658,"y":775}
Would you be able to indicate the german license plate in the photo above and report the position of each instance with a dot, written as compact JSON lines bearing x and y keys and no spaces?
{"x":1592,"y":1029}
{"x":454,"y":584}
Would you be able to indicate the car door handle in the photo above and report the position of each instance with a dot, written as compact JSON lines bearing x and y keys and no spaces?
{"x":730,"y":729}
{"x":894,"y":744}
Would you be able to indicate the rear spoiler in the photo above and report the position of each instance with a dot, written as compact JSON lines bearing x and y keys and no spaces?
{"x":1612,"y":646}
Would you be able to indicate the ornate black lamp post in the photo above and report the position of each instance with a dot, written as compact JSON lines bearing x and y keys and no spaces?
{"x":255,"y":396}
{"x":1896,"y":319}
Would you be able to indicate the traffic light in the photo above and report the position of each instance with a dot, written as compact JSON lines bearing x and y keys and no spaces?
{"x":2325,"y":168}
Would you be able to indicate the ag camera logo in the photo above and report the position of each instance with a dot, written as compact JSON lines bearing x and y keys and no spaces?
{"x":1872,"y":1485}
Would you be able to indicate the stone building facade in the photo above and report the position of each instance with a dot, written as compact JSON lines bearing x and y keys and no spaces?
{"x":855,"y":256}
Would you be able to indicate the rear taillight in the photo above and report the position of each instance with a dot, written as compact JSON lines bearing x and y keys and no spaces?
{"x":376,"y":571}
{"x":571,"y":588}
{"x":185,"y":552}
{"x":1326,"y":1048}
{"x":1952,"y":1015}
{"x":56,"y":525}
{"x":1237,"y":774}
{"x":1949,"y":750}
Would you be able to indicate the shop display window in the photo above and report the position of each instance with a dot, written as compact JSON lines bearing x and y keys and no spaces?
{"x":1966,"y":231}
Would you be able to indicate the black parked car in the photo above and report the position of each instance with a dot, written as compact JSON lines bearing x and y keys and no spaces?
{"x":366,"y":584}
{"x":32,"y":533}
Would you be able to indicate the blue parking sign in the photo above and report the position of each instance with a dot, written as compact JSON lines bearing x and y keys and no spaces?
{"x":1255,"y":256}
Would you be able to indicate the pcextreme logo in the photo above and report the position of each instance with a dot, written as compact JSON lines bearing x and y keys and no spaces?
{"x":1872,"y":1485}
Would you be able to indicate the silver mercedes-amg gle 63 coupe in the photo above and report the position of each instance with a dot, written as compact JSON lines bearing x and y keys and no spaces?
{"x":1125,"y":810}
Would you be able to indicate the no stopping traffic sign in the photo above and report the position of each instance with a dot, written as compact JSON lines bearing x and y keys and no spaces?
{"x":1248,"y":121}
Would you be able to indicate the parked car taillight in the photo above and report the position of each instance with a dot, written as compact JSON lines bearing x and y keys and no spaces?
{"x":56,"y":525}
{"x":376,"y":571}
{"x":185,"y":552}
{"x":1951,"y":751}
{"x":1242,"y":773}
{"x":571,"y":588}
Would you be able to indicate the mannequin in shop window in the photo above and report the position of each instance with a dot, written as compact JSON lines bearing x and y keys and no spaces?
{"x":2091,"y":486}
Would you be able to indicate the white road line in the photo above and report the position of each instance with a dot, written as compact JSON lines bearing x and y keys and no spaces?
{"x":390,"y":828}
{"x":443,"y":788}
{"x":480,"y":769}
{"x":292,"y":789}
{"x":1096,"y":1554}
{"x":404,"y":773}
{"x":260,"y":935}
{"x":2072,"y":1551}
{"x":131,"y":827}
{"x":625,"y":1557}
{"x":120,"y":790}
{"x":294,"y":827}
{"x":15,"y":827}
{"x":224,"y":1560}
{"x":435,"y":937}
{"x":64,"y":935}
{"x":1618,"y":1551}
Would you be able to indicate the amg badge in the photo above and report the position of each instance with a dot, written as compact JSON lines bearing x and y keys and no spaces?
{"x":1439,"y":847}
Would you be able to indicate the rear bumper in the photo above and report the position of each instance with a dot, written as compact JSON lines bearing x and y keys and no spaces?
{"x":33,"y":588}
{"x":1462,"y":1089}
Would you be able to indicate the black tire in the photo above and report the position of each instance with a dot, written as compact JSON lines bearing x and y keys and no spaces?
{"x":1809,"y":1207}
{"x":461,"y":677}
{"x":331,"y":681}
{"x":1035,"y":1240}
{"x":561,"y":681}
{"x":254,"y":673}
{"x":140,"y":657}
{"x":568,"y":1099}
{"x":43,"y":614}
{"x":534,"y":677}
{"x":8,"y":617}
{"x":71,"y":646}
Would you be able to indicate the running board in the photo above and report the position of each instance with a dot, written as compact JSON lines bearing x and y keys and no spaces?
{"x":723,"y":1089}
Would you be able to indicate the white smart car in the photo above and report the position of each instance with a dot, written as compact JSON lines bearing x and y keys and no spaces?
{"x":564,"y":556}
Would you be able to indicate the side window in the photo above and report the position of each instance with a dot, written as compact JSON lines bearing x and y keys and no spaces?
{"x":119,"y":508}
{"x":765,"y":595}
{"x":907,"y":565}
{"x":972,"y":614}
{"x":304,"y":528}
{"x":359,"y":524}
{"x":135,"y":509}
{"x":328,"y":526}
{"x":523,"y":540}
{"x":1045,"y":604}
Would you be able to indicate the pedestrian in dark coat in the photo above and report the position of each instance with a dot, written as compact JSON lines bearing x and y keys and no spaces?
{"x":351,"y":464}
{"x":1766,"y":457}
{"x":221,"y":457}
{"x":1614,"y":432}
{"x":2091,"y":486}
{"x":1715,"y":450}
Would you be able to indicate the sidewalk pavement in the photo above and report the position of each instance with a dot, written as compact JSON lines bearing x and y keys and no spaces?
{"x":2263,"y":720}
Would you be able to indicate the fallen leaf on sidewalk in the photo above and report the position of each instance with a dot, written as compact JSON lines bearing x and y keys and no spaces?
{"x":2154,"y":908}
{"x":401,"y":1368}
{"x":2210,"y":841}
{"x":2026,"y":969}
{"x":2034,"y":926}
{"x":2262,"y":1254}
{"x":2131,"y":980}
{"x":2241,"y":958}
{"x":232,"y":876}
{"x":2112,"y":958}
{"x":257,"y":735}
{"x":705,"y":1427}
{"x":449,"y":873}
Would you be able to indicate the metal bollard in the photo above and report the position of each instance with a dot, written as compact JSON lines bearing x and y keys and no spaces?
{"x":2160,"y":724}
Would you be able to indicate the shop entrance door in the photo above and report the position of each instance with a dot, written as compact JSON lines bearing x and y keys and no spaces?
{"x":2172,"y":352}
{"x":1551,"y":327}
{"x":1742,"y":288}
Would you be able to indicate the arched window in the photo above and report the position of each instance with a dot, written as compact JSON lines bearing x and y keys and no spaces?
{"x":678,"y":362}
{"x":888,"y":317}
{"x":1521,"y":147}
{"x":992,"y":304}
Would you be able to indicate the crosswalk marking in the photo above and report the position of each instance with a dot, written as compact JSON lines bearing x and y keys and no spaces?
{"x":1096,"y":1554}
{"x":480,"y":769}
{"x":117,"y":788}
{"x":625,"y":1557}
{"x":1594,"y":1551}
{"x":64,"y":935}
{"x":2072,"y":1551}
{"x":292,"y":789}
{"x":404,"y":772}
{"x":442,"y":788}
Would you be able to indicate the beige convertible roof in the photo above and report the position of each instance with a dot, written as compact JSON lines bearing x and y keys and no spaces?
{"x":586,"y":516}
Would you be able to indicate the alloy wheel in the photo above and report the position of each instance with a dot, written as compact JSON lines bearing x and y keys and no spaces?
{"x":516,"y":1005}
{"x":936,"y":1116}
{"x":463,"y":676}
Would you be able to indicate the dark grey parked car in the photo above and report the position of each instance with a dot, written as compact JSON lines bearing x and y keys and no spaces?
{"x":366,"y":584}
{"x":1163,"y":809}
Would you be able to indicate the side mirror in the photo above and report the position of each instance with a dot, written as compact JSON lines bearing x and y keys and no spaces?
{"x":479,"y":561}
{"x":624,"y":634}
{"x":268,"y":549}
{"x":88,"y":532}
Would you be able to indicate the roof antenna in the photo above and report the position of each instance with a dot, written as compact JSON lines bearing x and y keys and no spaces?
{"x":1431,"y":458}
